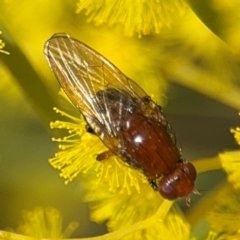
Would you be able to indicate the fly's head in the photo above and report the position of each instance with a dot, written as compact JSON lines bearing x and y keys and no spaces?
{"x":179,"y":183}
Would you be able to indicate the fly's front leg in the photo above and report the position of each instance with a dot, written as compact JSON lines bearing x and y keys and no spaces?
{"x":104,"y":155}
{"x":153,"y":184}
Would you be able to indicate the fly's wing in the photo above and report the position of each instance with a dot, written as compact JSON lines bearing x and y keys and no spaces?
{"x":82,"y":73}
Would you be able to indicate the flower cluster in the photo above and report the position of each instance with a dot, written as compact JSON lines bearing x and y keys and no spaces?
{"x":175,"y":51}
{"x":141,"y":17}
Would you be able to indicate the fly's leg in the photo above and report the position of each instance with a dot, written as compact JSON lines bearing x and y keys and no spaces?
{"x":104,"y":155}
{"x":153,"y":184}
{"x":89,"y":129}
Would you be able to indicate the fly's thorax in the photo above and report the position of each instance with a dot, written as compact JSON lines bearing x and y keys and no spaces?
{"x":152,"y":111}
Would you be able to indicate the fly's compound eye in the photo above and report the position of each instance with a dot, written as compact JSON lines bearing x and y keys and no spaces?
{"x":190,"y":170}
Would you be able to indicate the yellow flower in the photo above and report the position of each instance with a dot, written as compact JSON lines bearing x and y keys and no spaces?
{"x":231,"y":161}
{"x":122,"y":211}
{"x":231,"y":164}
{"x":141,"y":17}
{"x":41,"y":223}
{"x":79,"y":152}
{"x":224,"y":217}
{"x":221,"y":209}
{"x":45,"y":223}
{"x":117,"y":194}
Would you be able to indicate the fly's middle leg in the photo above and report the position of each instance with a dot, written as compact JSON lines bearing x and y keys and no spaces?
{"x":104,"y":155}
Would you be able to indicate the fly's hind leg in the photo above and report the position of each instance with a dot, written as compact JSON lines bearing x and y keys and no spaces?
{"x":104,"y":155}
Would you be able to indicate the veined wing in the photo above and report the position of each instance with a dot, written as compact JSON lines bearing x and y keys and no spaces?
{"x":82,"y":73}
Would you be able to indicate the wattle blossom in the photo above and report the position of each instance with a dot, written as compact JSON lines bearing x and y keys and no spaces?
{"x":130,"y":17}
{"x":177,"y":45}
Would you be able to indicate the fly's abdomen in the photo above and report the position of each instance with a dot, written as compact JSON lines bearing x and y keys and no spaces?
{"x":148,"y":146}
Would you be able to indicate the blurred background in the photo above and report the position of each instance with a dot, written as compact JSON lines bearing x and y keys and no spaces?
{"x":190,"y":65}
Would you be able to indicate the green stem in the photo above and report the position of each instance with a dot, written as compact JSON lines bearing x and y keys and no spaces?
{"x":208,"y":164}
{"x":28,"y":79}
{"x":210,"y":17}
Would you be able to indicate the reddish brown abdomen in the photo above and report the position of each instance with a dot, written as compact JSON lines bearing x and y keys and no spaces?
{"x":148,"y":146}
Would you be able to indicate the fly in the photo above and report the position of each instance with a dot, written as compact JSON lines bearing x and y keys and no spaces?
{"x":122,"y":115}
